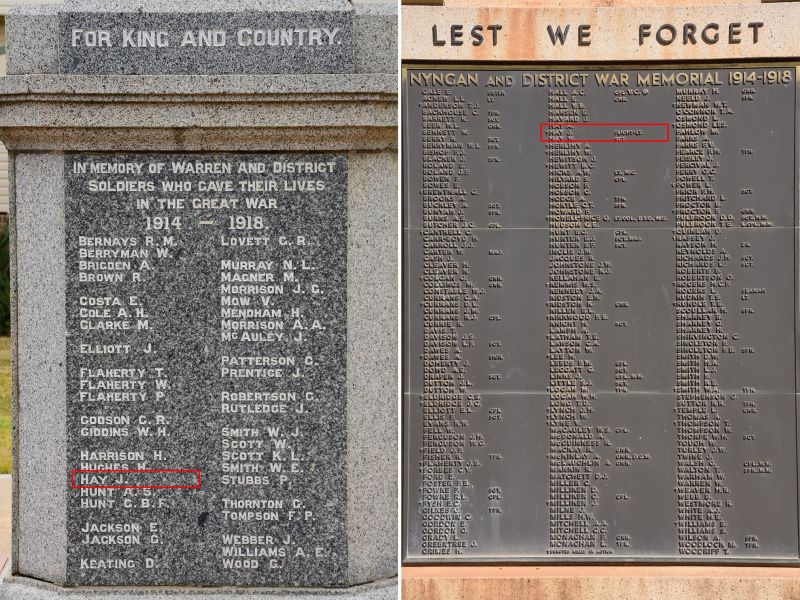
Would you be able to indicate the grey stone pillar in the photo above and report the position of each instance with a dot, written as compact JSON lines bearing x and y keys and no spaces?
{"x":164,"y":435}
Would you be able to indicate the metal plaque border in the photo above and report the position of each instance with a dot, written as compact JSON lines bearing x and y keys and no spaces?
{"x":515,"y":560}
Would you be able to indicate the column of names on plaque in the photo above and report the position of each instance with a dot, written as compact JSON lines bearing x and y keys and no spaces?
{"x":600,"y":328}
{"x":206,"y":310}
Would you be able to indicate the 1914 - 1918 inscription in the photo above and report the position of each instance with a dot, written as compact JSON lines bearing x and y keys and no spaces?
{"x":206,"y":378}
{"x":600,"y":329}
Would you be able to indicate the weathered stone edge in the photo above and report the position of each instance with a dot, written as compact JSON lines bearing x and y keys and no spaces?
{"x":45,"y":112}
{"x":372,"y":370}
{"x":23,"y":588}
{"x":40,"y":469}
{"x":168,"y":6}
{"x":198,"y":85}
{"x":32,"y":32}
{"x":287,"y":139}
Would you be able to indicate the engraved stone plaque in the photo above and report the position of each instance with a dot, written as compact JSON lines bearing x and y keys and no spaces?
{"x":210,"y":43}
{"x":206,"y":315}
{"x":600,"y":289}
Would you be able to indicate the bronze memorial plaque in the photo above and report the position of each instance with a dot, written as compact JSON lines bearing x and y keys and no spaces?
{"x":600,"y":307}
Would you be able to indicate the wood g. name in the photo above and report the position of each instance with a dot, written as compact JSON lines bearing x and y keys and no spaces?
{"x":665,"y":34}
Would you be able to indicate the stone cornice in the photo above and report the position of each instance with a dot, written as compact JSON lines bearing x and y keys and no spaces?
{"x":212,"y":113}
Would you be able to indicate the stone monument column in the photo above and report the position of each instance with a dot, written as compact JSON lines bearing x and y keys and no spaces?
{"x":601,"y":234}
{"x":204,"y":221}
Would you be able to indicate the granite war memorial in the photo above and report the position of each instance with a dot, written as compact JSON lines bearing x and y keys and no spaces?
{"x":204,"y":234}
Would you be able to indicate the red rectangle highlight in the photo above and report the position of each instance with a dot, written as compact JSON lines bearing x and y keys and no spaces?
{"x":119,"y":479}
{"x":596,"y":134}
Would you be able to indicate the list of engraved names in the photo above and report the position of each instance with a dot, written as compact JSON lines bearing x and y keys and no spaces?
{"x":206,"y":311}
{"x":600,"y":325}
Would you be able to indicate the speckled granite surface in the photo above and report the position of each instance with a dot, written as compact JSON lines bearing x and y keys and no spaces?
{"x":20,"y":588}
{"x":46,"y":117}
{"x":206,"y":42}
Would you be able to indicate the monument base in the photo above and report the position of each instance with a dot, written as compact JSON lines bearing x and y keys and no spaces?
{"x":22,"y":588}
{"x":640,"y":582}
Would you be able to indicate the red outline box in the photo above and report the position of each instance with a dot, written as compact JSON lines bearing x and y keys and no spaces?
{"x":666,"y":126}
{"x":136,"y":487}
